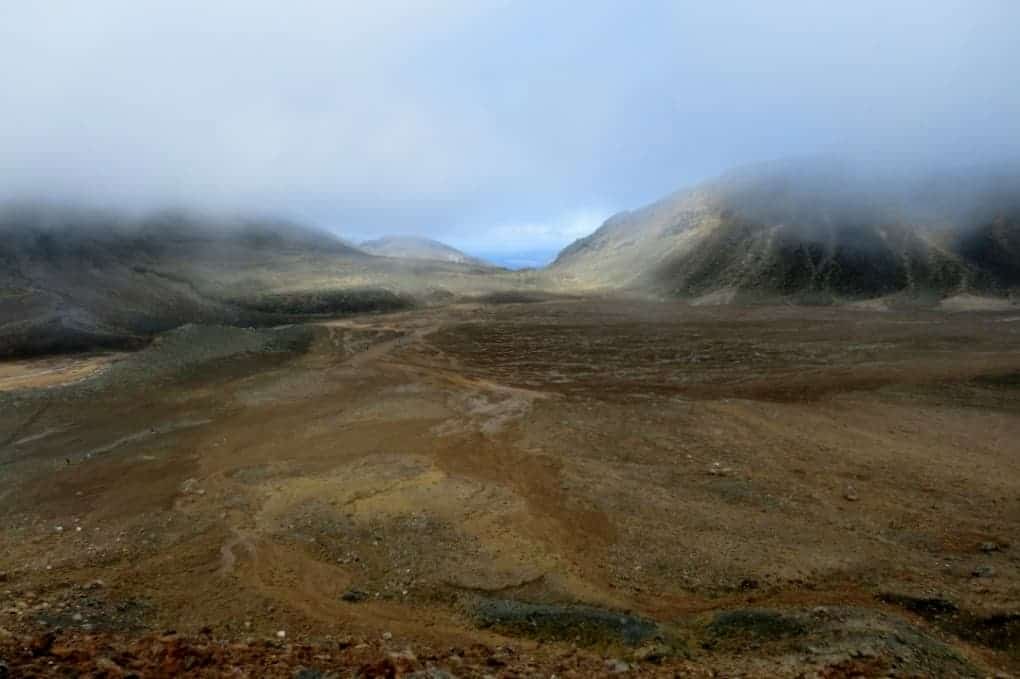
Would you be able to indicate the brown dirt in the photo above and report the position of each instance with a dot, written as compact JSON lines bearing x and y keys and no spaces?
{"x":670,"y":462}
{"x":51,"y":371}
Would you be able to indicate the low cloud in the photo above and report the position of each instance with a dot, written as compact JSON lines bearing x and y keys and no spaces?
{"x":491,"y":125}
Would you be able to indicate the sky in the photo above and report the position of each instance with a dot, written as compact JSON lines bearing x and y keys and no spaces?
{"x":507,"y":129}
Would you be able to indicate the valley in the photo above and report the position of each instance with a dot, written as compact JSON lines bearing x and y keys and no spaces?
{"x":576,"y":486}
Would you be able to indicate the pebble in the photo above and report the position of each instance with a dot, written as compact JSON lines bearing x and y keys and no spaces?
{"x":989,"y":547}
{"x":387,"y":636}
{"x":717,"y":469}
{"x":281,"y":634}
{"x":653,"y":653}
{"x":354,"y":596}
{"x":850,"y":494}
{"x":983,"y":572}
{"x":406,"y":654}
{"x":617,"y":666}
{"x":306,"y":673}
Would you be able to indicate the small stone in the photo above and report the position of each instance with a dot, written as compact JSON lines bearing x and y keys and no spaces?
{"x":282,"y":634}
{"x":307,"y":673}
{"x":653,"y":653}
{"x":989,"y":547}
{"x":60,"y":529}
{"x":387,"y":636}
{"x":406,"y":655}
{"x":617,"y":666}
{"x":717,"y":469}
{"x":41,"y":645}
{"x":983,"y":572}
{"x":354,"y":596}
{"x":850,"y":494}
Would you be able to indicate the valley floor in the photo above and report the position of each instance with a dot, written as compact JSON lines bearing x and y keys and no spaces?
{"x":569,"y":488}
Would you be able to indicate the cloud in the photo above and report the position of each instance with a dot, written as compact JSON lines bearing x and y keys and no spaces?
{"x":483,"y":123}
{"x":510,"y":237}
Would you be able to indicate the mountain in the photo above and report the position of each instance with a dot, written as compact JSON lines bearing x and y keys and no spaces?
{"x":416,"y":247}
{"x":812,"y":230}
{"x":76,"y":279}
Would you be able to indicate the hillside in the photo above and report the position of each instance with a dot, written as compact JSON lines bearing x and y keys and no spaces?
{"x":74,"y":279}
{"x":416,"y":247}
{"x":812,"y":231}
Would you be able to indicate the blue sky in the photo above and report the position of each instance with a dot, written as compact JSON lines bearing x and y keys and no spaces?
{"x":499,"y":127}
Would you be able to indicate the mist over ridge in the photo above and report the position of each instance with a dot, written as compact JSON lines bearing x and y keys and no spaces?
{"x":481,"y":125}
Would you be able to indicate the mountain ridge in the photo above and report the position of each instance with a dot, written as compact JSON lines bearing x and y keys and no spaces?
{"x":73,"y":279}
{"x":418,"y":247}
{"x":810,"y":231}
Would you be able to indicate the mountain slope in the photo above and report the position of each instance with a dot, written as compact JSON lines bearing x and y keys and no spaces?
{"x":73,"y":279}
{"x":416,"y":247}
{"x":815,"y":231}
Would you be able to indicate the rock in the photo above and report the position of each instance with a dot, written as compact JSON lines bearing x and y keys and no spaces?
{"x":652,"y":653}
{"x":406,"y":654}
{"x":282,"y":634}
{"x":850,"y":494}
{"x":717,"y":469}
{"x":989,"y":547}
{"x":354,"y":596}
{"x":431,"y":673}
{"x":307,"y":673}
{"x":387,"y":636}
{"x":109,"y":667}
{"x":617,"y":666}
{"x":983,"y":572}
{"x":42,"y":644}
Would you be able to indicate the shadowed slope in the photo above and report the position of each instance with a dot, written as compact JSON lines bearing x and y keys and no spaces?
{"x":73,"y":279}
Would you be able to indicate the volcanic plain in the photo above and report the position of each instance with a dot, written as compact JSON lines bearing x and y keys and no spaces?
{"x":558,"y":486}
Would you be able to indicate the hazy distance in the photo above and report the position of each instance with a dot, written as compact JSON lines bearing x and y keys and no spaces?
{"x":504,"y":129}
